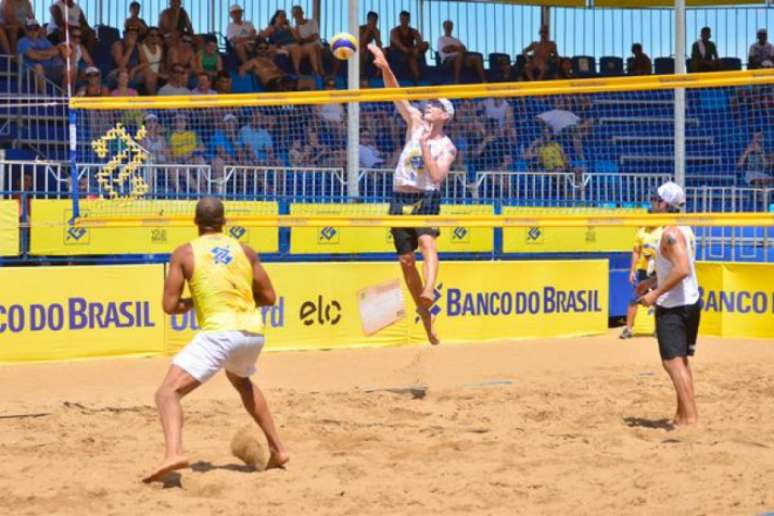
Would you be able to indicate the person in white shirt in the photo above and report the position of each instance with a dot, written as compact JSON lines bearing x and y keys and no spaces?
{"x":761,"y":52}
{"x":176,"y":83}
{"x":307,"y":34}
{"x":423,"y":166}
{"x":453,"y":52}
{"x":370,"y":156}
{"x":241,"y":34}
{"x":75,"y":19}
{"x":675,"y":293}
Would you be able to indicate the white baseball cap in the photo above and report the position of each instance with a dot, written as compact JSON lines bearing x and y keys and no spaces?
{"x":444,"y":104}
{"x":672,"y":194}
{"x":230,"y":116}
{"x":234,"y":8}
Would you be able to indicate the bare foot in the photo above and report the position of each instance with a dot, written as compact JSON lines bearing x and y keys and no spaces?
{"x":169,"y":465}
{"x":427,"y":322}
{"x":278,"y":460}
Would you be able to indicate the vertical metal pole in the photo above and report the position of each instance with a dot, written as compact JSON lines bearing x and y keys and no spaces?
{"x":353,"y":109}
{"x":680,"y":93}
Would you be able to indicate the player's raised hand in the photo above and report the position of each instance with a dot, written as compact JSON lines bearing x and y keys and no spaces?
{"x":379,"y":60}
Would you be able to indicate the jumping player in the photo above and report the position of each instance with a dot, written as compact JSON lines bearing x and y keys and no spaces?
{"x":422,"y":167}
{"x":227,"y":285}
{"x":676,"y":296}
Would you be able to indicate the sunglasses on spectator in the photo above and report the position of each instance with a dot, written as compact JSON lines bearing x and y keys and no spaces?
{"x":179,"y":72}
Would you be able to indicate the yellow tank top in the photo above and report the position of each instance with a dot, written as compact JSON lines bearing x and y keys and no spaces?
{"x":222,"y":286}
{"x":647,"y":241}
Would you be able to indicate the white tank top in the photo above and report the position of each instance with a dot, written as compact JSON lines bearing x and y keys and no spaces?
{"x":153,"y":58}
{"x":73,"y":16}
{"x":687,"y":291}
{"x":410,"y":174}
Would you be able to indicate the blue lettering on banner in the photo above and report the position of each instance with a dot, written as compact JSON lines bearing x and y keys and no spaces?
{"x":273,"y":316}
{"x":494,"y":303}
{"x":76,"y":314}
{"x":732,"y":301}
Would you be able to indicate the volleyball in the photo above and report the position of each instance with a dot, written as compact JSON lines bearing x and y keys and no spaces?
{"x":343,"y":45}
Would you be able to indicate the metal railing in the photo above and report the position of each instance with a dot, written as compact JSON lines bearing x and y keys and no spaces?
{"x":376,"y":184}
{"x":46,"y":179}
{"x":529,"y":188}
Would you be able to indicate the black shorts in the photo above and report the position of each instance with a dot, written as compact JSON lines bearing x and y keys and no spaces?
{"x":676,"y":330}
{"x":406,"y":240}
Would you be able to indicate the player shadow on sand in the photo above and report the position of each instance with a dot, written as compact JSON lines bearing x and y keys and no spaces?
{"x":642,"y":422}
{"x":205,"y":467}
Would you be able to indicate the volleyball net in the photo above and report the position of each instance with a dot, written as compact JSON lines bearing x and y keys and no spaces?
{"x":561,"y":153}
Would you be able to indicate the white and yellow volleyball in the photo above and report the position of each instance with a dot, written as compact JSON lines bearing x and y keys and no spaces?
{"x":343,"y":45}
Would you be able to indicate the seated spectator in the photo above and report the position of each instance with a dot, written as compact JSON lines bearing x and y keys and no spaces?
{"x":177,"y":82}
{"x":369,"y":33}
{"x":303,"y":154}
{"x":42,"y":56}
{"x":565,"y":71}
{"x":279,"y":33}
{"x":704,"y":53}
{"x":151,"y":58}
{"x":79,"y":58}
{"x":271,"y":76}
{"x":134,"y":21}
{"x":307,"y":35}
{"x":369,"y":154}
{"x":203,"y":85}
{"x":184,"y":148}
{"x":223,"y":83}
{"x":181,"y":53}
{"x":454,"y":53}
{"x":241,"y":34}
{"x":761,"y":52}
{"x":255,"y":136}
{"x":224,"y":147}
{"x":331,"y":116}
{"x":154,"y":141}
{"x":408,"y":42}
{"x":174,"y":22}
{"x":126,"y":54}
{"x":208,"y":60}
{"x":544,"y":55}
{"x":499,"y":110}
{"x":503,"y":72}
{"x":75,"y":19}
{"x":13,"y":17}
{"x":563,"y":121}
{"x":122,"y":88}
{"x":757,"y":169}
{"x":93,"y":86}
{"x":639,"y":63}
{"x":547,"y":154}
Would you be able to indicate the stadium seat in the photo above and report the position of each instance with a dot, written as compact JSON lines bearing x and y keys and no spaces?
{"x":730,"y":63}
{"x":496,"y":59}
{"x":611,"y":66}
{"x":584,"y":66}
{"x":605,"y":167}
{"x":107,"y":35}
{"x":664,"y":65}
{"x":241,"y":84}
{"x":713,"y":99}
{"x":521,"y":62}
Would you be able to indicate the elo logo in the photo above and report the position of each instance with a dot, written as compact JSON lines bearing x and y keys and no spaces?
{"x":460,"y":234}
{"x":237,"y":232}
{"x":328,"y":233}
{"x":320,"y":312}
{"x":76,"y":234}
{"x":534,"y":233}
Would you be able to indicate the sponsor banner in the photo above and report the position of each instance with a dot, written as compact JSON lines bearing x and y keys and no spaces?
{"x":737,"y":299}
{"x":591,"y":239}
{"x":9,"y":228}
{"x":352,"y":240}
{"x":320,"y":304}
{"x":52,"y":233}
{"x":57,"y":313}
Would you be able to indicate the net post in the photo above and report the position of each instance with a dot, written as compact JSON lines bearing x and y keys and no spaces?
{"x":72,"y":125}
{"x":680,"y":93}
{"x":353,"y":109}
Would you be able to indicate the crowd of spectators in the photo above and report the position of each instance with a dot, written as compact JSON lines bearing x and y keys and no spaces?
{"x":287,"y":54}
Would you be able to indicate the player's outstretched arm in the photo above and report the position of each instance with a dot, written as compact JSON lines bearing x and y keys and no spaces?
{"x":263,"y":291}
{"x":171,"y":301}
{"x":409,"y":113}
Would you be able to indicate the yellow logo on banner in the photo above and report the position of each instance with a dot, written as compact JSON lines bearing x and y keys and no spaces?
{"x":127,"y":184}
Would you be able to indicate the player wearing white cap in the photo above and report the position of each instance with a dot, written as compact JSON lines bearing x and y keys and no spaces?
{"x":422,"y":167}
{"x":676,"y":296}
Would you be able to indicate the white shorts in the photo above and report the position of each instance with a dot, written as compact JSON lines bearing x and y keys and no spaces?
{"x":209,"y":351}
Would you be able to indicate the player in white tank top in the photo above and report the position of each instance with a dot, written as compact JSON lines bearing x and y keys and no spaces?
{"x":676,"y":296}
{"x":424,"y":163}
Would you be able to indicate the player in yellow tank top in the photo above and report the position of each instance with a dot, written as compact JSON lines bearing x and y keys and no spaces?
{"x":227,"y":284}
{"x":643,"y":254}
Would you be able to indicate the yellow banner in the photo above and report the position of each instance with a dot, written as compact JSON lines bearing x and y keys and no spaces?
{"x":737,"y":299}
{"x":59,"y":313}
{"x":52,"y":233}
{"x":318,"y":304}
{"x":9,"y":228}
{"x":671,"y":3}
{"x":352,"y":240}
{"x":591,"y":239}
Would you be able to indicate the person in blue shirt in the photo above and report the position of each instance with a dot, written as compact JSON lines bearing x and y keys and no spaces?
{"x":41,"y":56}
{"x":225,"y":149}
{"x":256,"y":137}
